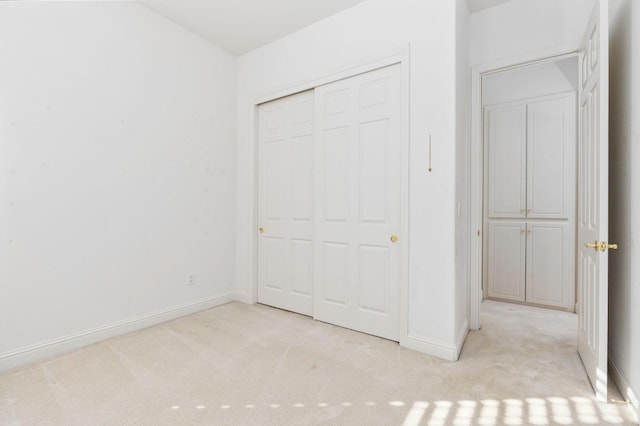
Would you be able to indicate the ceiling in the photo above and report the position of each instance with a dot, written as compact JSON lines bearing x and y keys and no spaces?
{"x":239,"y":26}
{"x":478,"y":5}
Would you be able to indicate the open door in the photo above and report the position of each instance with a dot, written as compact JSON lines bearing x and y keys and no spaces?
{"x":593,"y":199}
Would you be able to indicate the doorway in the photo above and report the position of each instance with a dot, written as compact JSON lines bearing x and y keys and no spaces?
{"x":529,"y":185}
{"x":477,"y":268}
{"x":592,"y":192}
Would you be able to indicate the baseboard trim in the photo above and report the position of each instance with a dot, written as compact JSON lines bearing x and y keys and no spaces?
{"x":244,"y":298}
{"x":432,"y":347}
{"x":461,"y":337}
{"x":47,"y":349}
{"x":628,"y":393}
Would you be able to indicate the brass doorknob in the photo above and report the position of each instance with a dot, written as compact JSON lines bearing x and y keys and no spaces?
{"x":595,"y":245}
{"x":601,"y":246}
{"x":604,"y":246}
{"x":394,"y":238}
{"x":261,"y":230}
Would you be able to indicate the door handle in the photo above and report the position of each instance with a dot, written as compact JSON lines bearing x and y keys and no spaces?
{"x":394,"y":238}
{"x":261,"y":230}
{"x":595,"y":245}
{"x":604,"y":246}
{"x":601,"y":246}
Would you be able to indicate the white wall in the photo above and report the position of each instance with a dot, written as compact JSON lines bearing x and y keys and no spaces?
{"x":624,"y":197}
{"x":117,"y":173}
{"x":532,"y":81}
{"x":353,"y":38}
{"x":524,"y":27}
{"x":463,"y":93}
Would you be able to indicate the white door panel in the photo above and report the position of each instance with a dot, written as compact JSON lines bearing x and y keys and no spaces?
{"x":285,"y":203}
{"x":551,"y":144}
{"x":357,"y":275}
{"x":506,"y":263}
{"x":505,"y":136}
{"x":593,"y":180}
{"x":549,"y":264}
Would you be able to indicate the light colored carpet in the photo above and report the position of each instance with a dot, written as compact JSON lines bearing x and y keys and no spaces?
{"x":251,"y":365}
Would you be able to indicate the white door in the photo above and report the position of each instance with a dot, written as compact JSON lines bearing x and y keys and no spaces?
{"x":593,"y":198}
{"x":285,"y":203}
{"x":357,"y":219}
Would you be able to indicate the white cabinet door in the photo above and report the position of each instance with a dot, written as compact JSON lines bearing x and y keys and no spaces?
{"x":505,"y":137}
{"x":285,"y":203}
{"x":551,"y":146}
{"x":550,"y":260}
{"x":357,"y":268}
{"x":507,"y":260}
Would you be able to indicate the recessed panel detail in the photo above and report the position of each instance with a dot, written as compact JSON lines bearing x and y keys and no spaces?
{"x":374,"y":93}
{"x":275,"y":119}
{"x":374,"y":171}
{"x":373,"y":278}
{"x":274,"y":176}
{"x":335,"y":273}
{"x":336,"y":174}
{"x":336,"y":102}
{"x":302,"y":175}
{"x":274,"y":277}
{"x":302,"y":266}
{"x":302,"y":112}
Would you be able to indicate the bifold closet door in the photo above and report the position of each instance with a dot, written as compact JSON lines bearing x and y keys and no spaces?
{"x":285,"y":203}
{"x":357,"y":210}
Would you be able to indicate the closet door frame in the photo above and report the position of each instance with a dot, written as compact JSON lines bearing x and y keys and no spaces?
{"x":401,"y":57}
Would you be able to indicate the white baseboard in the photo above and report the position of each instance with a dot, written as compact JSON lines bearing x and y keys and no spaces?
{"x":432,"y":347}
{"x":461,"y":337}
{"x":244,"y":298}
{"x":628,"y":393}
{"x":436,"y":348}
{"x":42,"y":350}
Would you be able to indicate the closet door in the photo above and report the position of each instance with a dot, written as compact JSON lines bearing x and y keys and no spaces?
{"x":549,"y":263}
{"x":357,"y":268}
{"x":507,"y":260}
{"x":551,"y":157}
{"x":285,"y":203}
{"x":506,"y":141}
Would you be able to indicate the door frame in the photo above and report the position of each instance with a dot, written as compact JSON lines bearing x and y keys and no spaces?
{"x":476,"y":166}
{"x":397,"y":56}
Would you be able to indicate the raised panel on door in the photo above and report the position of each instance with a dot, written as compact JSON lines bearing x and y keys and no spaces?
{"x":285,"y":203}
{"x":550,"y":264}
{"x":551,"y":147}
{"x":506,"y":260}
{"x":357,"y":277}
{"x":505,"y":142}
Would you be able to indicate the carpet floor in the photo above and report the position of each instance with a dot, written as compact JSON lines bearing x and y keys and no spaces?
{"x":253,"y":365}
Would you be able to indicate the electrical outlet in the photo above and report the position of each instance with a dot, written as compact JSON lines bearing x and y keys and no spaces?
{"x":191,"y":280}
